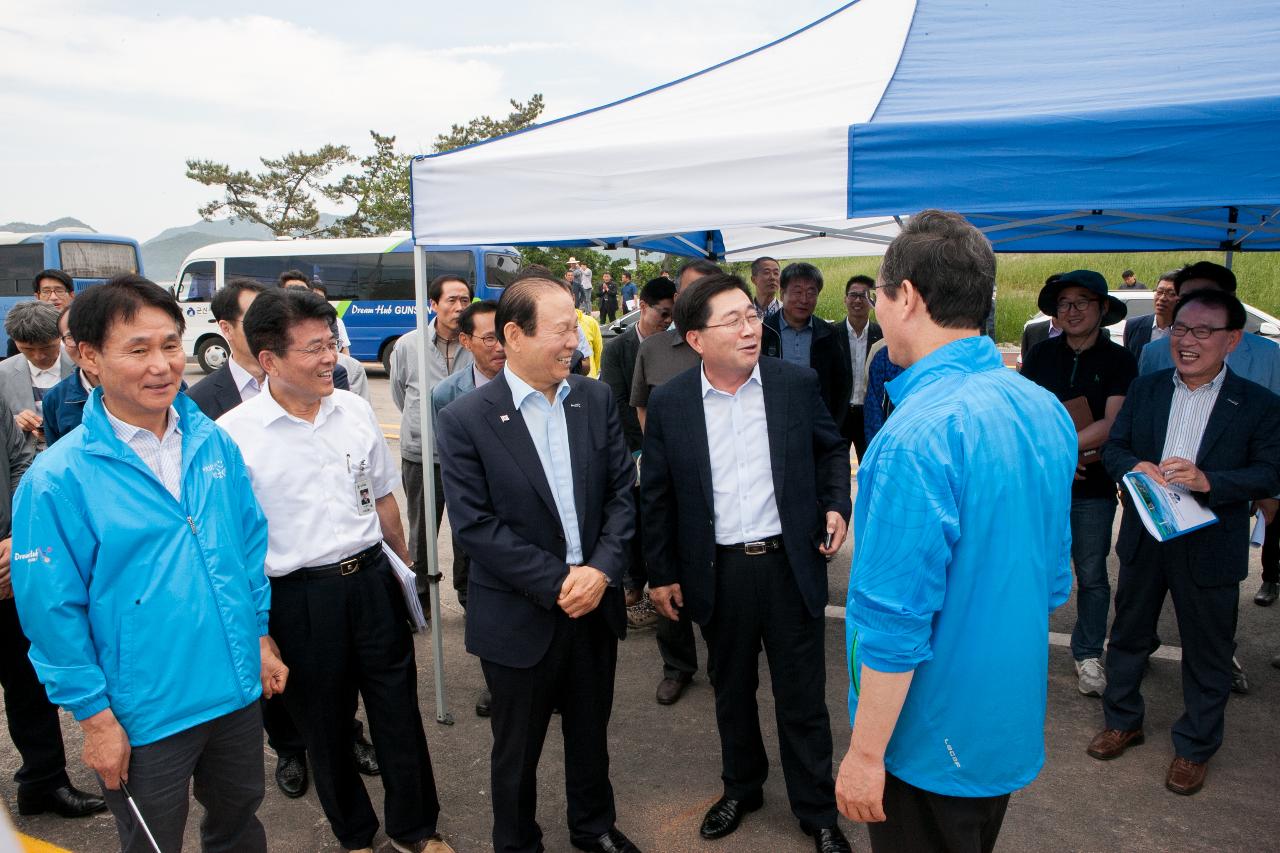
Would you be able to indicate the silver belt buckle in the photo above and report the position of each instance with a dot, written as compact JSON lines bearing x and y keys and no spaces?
{"x":349,"y":567}
{"x":755,"y":549}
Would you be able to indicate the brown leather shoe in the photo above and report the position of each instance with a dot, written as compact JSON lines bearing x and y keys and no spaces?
{"x":671,"y":689}
{"x":1111,"y":743}
{"x":1186,"y":777}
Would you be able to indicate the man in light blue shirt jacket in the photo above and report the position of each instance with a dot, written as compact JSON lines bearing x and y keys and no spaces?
{"x":962,"y":549}
{"x":138,"y":552}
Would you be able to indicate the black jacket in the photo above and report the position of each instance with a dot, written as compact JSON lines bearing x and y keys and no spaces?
{"x":504,"y":515}
{"x":1137,"y":333}
{"x":828,"y":355}
{"x":617,"y":368}
{"x":810,"y":463}
{"x":873,"y":336}
{"x":1239,"y":454}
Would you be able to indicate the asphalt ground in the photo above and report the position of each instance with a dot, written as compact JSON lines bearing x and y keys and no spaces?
{"x":665,"y":760}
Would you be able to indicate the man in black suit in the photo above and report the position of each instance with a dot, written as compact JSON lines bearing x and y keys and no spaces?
{"x":860,"y":334}
{"x":794,"y":334}
{"x":240,"y":379}
{"x":1140,"y":331}
{"x":739,"y":538}
{"x":538,"y":482}
{"x":1216,"y":437}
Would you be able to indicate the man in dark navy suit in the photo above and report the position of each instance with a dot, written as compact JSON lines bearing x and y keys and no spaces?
{"x":538,"y":482}
{"x":740,"y":538}
{"x":1201,"y":428}
{"x":1142,"y":330}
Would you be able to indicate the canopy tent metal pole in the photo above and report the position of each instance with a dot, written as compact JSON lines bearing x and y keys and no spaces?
{"x":428,"y":483}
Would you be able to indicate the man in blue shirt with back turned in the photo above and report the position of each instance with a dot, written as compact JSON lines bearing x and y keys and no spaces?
{"x":962,"y":549}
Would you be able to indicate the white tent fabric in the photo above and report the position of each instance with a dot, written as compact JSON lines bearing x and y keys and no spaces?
{"x":738,"y":145}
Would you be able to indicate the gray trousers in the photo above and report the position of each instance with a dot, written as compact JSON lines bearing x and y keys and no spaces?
{"x":224,"y":759}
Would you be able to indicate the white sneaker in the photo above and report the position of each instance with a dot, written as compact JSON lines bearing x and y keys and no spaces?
{"x":1093,"y":678}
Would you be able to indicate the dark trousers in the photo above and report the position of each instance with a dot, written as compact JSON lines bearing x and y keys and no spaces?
{"x":1207,"y":624}
{"x":575,"y":676}
{"x":341,"y":635}
{"x":854,"y":430}
{"x":33,"y":719}
{"x":411,"y":476}
{"x":678,"y":648}
{"x":282,"y":732}
{"x":1271,"y":552}
{"x":223,"y":758}
{"x":758,"y":604}
{"x":919,"y":821}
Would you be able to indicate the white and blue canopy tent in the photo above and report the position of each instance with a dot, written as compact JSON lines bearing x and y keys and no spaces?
{"x":1054,"y":126}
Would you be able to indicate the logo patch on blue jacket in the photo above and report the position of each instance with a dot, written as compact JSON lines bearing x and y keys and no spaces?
{"x":216,"y":470}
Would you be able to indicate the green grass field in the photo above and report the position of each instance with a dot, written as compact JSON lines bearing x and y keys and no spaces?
{"x":1020,"y":277}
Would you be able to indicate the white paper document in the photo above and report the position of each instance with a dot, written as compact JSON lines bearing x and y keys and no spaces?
{"x":409,"y":586}
{"x":1259,"y":530}
{"x":1166,"y":511}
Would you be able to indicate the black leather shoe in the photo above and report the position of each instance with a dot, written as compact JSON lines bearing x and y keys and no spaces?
{"x":612,"y":841}
{"x":67,"y":801}
{"x":366,"y":759}
{"x":830,"y":840}
{"x":724,"y":817}
{"x":482,"y":704}
{"x":291,"y":775}
{"x":1267,"y":594}
{"x":1239,"y":680}
{"x":671,"y":689}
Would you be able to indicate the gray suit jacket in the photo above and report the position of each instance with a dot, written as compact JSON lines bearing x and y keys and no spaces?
{"x":15,"y":386}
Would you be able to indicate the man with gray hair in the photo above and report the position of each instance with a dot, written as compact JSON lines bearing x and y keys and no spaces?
{"x":39,"y":365}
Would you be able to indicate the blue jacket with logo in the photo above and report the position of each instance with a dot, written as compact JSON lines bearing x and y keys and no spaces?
{"x":134,"y":600}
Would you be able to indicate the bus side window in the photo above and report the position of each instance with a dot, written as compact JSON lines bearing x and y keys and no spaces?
{"x":462,"y":264}
{"x":500,"y":270}
{"x":197,"y":282}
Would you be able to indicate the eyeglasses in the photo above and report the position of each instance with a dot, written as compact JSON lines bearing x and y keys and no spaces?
{"x":489,"y":341}
{"x":1080,"y":305}
{"x":318,"y":350}
{"x":753,"y":318}
{"x":68,"y":339}
{"x":868,"y":296}
{"x":53,"y":291}
{"x":1200,"y":333}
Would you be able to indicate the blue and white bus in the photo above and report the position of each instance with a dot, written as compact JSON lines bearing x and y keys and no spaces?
{"x":89,"y":258}
{"x":368,"y":279}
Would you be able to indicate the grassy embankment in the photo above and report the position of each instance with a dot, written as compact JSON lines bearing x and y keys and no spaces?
{"x":1020,"y":277}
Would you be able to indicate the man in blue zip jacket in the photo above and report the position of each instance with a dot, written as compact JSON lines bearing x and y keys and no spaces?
{"x":138,"y":552}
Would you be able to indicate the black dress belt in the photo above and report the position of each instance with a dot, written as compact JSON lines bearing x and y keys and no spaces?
{"x":349,"y":566}
{"x":754,"y":549}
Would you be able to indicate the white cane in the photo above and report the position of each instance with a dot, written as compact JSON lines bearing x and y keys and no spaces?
{"x":137,"y":813}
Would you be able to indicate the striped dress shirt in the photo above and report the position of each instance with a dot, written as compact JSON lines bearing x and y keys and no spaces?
{"x":1189,"y":415}
{"x":162,"y":456}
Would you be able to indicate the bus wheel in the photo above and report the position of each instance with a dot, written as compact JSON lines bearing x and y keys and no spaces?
{"x":212,"y":353}
{"x":385,"y":355}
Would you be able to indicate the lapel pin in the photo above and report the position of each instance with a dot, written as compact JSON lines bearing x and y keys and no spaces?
{"x":503,"y":418}
{"x":575,"y":405}
{"x":1233,"y":402}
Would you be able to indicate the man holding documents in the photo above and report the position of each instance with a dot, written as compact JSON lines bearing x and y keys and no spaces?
{"x":1090,"y":374}
{"x":1215,"y":438}
{"x":324,"y":476}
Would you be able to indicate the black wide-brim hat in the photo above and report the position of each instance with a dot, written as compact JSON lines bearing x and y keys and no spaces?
{"x":1091,"y":281}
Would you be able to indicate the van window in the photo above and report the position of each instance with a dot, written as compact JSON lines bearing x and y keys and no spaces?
{"x":1140,"y":307}
{"x":82,"y":259}
{"x":18,"y":266}
{"x":196,"y":284}
{"x":500,"y":270}
{"x":462,"y":264}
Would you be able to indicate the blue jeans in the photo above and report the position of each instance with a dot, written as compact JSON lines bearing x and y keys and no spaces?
{"x":1091,"y":520}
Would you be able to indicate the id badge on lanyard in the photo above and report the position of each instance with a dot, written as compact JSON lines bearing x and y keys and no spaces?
{"x":362,"y":485}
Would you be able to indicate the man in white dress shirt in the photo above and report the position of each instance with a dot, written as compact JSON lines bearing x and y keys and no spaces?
{"x":325,"y":478}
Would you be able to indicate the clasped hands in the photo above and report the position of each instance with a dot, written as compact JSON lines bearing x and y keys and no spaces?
{"x":1175,"y":471}
{"x":582,"y":590}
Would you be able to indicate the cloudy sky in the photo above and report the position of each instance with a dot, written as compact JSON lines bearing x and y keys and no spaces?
{"x":104,"y":101}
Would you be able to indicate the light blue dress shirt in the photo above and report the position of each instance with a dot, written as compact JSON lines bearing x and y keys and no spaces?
{"x":550,"y":433}
{"x":796,"y":344}
{"x":746,"y":509}
{"x":962,"y":548}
